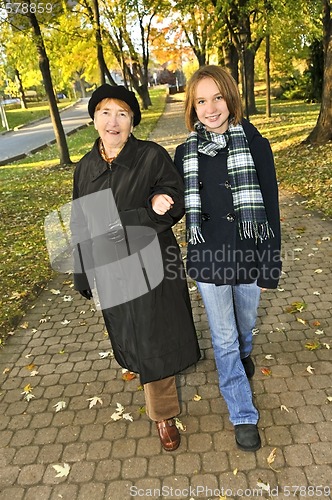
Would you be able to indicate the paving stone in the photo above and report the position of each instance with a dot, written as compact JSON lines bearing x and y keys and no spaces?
{"x":30,"y":474}
{"x":119,"y":489}
{"x":40,"y":492}
{"x":298,"y":455}
{"x":92,"y":491}
{"x":322,"y":453}
{"x":12,"y":493}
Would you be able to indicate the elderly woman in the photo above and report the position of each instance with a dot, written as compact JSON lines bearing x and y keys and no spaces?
{"x":152,"y":333}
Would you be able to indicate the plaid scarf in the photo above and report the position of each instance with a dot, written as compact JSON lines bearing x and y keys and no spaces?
{"x":247,"y":197}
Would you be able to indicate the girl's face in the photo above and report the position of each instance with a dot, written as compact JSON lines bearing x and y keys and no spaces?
{"x":210,"y":106}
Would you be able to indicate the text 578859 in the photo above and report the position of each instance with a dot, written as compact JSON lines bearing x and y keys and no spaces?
{"x":27,"y":7}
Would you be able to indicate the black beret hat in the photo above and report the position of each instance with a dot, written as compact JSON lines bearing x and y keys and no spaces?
{"x":120,"y":92}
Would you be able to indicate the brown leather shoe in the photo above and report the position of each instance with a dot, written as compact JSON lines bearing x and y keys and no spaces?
{"x":169,"y":434}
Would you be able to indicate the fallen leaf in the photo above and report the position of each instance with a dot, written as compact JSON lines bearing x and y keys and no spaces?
{"x":179,"y":424}
{"x":61,"y":405}
{"x":34,"y":373}
{"x":255,"y":331}
{"x":197,"y":397}
{"x":310,"y":369}
{"x":24,"y":325}
{"x":300,"y":320}
{"x":326,"y":238}
{"x":296,"y":307}
{"x":67,"y":298}
{"x":316,"y":293}
{"x":94,"y":401}
{"x":265,"y":487}
{"x":119,"y":407}
{"x":266,"y":371}
{"x":28,"y":397}
{"x":127,"y":376}
{"x":105,"y":354}
{"x":284,"y":408}
{"x":6,"y":370}
{"x":316,"y":323}
{"x":319,"y":332}
{"x":65,"y":322}
{"x":269,"y":356}
{"x":327,"y":346}
{"x":31,"y":366}
{"x":312,"y":345}
{"x":318,"y":271}
{"x":116,"y":416}
{"x":329,"y":398}
{"x":55,"y":292}
{"x":127,"y":416}
{"x":27,"y":388}
{"x":271,"y":458}
{"x":62,"y":471}
{"x":235,"y":471}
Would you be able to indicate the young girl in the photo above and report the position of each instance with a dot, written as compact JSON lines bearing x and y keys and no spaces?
{"x":233,"y":231}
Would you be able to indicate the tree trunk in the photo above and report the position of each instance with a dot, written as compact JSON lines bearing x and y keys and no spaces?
{"x":267,"y":76}
{"x":143,"y":92}
{"x":100,"y":55}
{"x":44,"y":66}
{"x":21,"y":89}
{"x":322,"y":132}
{"x":231,"y":60}
{"x":250,"y":68}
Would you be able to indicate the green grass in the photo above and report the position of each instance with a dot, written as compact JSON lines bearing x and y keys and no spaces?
{"x":29,"y":190}
{"x":301,"y":168}
{"x":17,"y":116}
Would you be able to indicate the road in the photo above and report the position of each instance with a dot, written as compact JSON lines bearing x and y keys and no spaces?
{"x":17,"y":144}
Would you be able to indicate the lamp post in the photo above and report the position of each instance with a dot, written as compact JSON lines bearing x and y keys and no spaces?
{"x":243,"y":36}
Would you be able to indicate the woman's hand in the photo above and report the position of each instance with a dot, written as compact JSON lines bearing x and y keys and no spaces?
{"x":161,"y":203}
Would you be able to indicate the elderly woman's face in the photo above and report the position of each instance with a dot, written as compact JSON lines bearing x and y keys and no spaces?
{"x":113,"y":124}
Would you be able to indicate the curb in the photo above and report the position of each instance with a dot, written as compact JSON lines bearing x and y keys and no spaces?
{"x":33,"y":122}
{"x":42,"y":146}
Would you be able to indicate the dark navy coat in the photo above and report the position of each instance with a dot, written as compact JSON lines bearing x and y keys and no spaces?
{"x":225,"y":259}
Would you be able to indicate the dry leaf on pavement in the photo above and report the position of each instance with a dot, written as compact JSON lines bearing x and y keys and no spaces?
{"x":94,"y":401}
{"x":60,"y":405}
{"x":266,"y":371}
{"x":62,"y":471}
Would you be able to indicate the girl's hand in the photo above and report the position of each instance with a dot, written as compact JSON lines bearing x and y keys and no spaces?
{"x":161,"y":203}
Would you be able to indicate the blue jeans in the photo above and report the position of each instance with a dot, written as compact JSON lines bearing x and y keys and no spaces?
{"x":232,"y":313}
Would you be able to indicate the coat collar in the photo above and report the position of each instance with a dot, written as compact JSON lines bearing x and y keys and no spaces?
{"x":125,"y":159}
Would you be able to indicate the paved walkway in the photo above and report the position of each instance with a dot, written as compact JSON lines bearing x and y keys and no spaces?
{"x":61,"y":351}
{"x":17,"y":144}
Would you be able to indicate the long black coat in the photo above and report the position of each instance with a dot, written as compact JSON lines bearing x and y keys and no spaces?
{"x":154,"y":334}
{"x":225,"y":258}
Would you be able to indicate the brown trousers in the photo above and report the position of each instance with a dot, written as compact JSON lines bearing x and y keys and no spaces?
{"x":161,"y":399}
